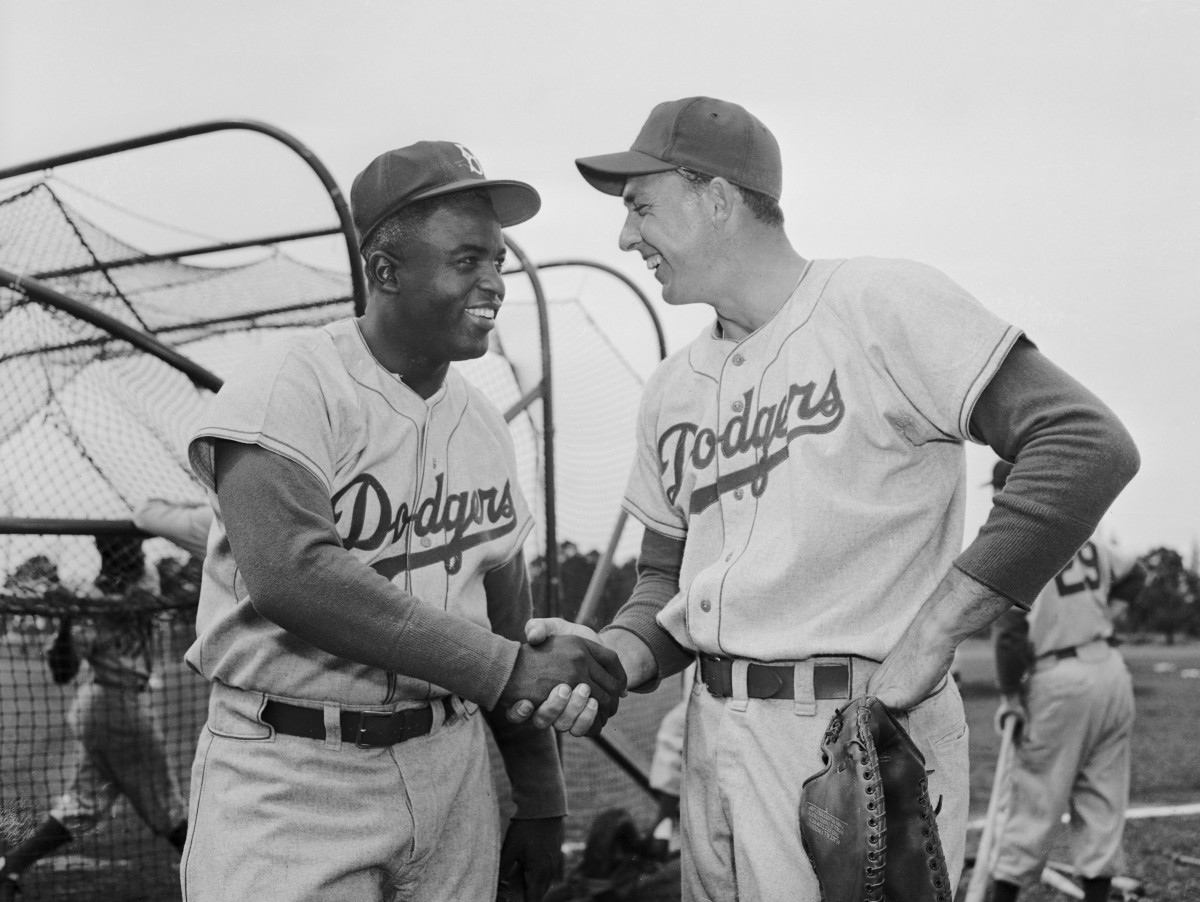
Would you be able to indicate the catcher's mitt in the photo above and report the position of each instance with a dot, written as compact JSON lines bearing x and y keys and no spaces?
{"x":865,"y":820}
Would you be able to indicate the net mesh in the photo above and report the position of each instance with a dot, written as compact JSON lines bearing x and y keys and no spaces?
{"x":92,"y":426}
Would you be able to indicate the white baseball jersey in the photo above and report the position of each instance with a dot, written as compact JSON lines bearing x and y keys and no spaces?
{"x":1074,"y":608}
{"x":424,"y":491}
{"x":816,"y":468}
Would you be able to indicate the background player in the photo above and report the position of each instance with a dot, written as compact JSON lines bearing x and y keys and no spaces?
{"x":365,"y":591}
{"x":799,"y":472}
{"x":1061,"y":676}
{"x":120,"y":747}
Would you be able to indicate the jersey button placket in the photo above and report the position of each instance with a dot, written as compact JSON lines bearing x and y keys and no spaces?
{"x":736,"y":513}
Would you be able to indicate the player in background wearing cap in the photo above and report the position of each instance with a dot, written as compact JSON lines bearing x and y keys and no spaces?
{"x":1062,"y":677}
{"x":365,"y":592}
{"x":800,"y":474}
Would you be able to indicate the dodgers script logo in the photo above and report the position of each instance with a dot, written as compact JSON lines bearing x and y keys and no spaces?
{"x":366,"y":514}
{"x":762,"y":428}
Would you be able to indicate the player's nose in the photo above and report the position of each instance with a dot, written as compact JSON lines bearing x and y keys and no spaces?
{"x":630,"y":234}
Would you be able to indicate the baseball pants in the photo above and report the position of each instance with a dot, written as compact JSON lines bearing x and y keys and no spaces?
{"x":278,"y":818}
{"x":745,"y":761}
{"x":1074,"y":757}
{"x":120,"y":752}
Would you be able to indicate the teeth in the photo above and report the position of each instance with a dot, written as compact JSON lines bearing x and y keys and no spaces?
{"x":653,"y":261}
{"x":484,"y":312}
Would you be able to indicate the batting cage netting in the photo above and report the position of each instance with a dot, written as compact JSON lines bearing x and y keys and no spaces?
{"x":95,"y":422}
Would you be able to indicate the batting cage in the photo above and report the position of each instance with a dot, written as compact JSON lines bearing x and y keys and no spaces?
{"x":109,"y":352}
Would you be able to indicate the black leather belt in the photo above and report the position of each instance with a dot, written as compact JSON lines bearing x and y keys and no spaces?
{"x":364,"y":729}
{"x":1072,"y":652}
{"x":830,"y":679}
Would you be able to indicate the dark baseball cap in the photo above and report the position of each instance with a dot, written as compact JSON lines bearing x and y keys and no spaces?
{"x":711,"y":136}
{"x":397,"y":178}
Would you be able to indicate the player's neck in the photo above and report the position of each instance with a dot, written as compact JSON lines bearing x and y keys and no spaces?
{"x":759,"y":285}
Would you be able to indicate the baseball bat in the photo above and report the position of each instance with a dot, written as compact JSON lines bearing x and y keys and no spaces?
{"x":1187,"y":859}
{"x":981,"y":872}
{"x":1064,"y":885}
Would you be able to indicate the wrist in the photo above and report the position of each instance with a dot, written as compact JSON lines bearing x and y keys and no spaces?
{"x":635,"y":655}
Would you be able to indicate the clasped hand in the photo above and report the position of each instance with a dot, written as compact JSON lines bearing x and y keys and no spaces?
{"x":559,"y":655}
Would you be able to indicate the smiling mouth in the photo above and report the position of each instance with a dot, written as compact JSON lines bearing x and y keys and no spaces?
{"x":488,"y":313}
{"x":653,"y":262}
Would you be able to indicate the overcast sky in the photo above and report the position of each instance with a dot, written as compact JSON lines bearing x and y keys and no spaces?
{"x":1043,"y":153}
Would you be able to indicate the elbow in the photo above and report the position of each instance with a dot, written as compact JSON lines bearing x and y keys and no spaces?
{"x":269,"y":597}
{"x":1121,"y":458}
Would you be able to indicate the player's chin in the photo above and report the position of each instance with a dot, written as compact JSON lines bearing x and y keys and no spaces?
{"x":471,"y":347}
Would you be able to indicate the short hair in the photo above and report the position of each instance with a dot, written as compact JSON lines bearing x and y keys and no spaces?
{"x":764,"y":207}
{"x":403,"y":225}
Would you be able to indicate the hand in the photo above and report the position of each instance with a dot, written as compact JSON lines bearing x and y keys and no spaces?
{"x":572,"y":711}
{"x":1011,"y":705}
{"x":530,"y":858}
{"x":959,"y":607}
{"x":569,"y":659}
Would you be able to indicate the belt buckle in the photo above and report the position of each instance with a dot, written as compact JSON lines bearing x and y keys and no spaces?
{"x":361,"y":731}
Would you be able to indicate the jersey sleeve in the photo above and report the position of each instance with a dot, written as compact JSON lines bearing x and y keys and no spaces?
{"x":931,"y":339}
{"x":645,"y":497}
{"x":281,"y":403}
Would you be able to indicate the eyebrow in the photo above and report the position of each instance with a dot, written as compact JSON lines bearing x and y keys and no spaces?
{"x":481,"y":250}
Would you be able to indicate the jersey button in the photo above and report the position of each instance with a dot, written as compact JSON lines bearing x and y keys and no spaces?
{"x":738,"y":494}
{"x":737,"y":406}
{"x":426,"y":541}
{"x":706,"y":606}
{"x":738,"y":359}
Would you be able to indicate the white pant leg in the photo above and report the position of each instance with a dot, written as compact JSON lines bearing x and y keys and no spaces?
{"x":746,"y":762}
{"x":287,"y":819}
{"x":1100,"y":793}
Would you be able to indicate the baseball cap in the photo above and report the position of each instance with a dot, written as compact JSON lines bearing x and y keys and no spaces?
{"x":395,"y":179}
{"x":707,"y":135}
{"x":999,"y":474}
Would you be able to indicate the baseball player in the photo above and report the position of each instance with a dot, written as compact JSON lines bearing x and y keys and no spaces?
{"x":120,"y":747}
{"x":1061,"y":676}
{"x":800,"y":474}
{"x":365,"y":593}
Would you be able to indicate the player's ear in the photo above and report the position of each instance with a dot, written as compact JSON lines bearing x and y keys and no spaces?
{"x":382,"y":271}
{"x":720,"y":196}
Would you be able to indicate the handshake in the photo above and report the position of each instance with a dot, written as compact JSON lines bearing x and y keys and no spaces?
{"x":560,"y":655}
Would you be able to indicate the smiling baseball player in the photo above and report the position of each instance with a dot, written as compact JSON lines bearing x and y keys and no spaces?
{"x":800,"y":474}
{"x":365,"y":589}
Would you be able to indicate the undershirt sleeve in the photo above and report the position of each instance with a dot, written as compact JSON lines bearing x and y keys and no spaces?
{"x":530,"y":753}
{"x":1071,"y":457}
{"x":303,"y":580}
{"x":658,"y":567}
{"x":1014,"y":654}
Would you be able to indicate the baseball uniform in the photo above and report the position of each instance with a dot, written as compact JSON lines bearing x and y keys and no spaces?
{"x":815,"y":474}
{"x":120,"y":747}
{"x":424,"y":493}
{"x":1074,"y":750}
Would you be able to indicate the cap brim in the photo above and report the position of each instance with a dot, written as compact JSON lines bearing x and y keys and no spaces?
{"x":514,"y":202}
{"x":609,"y":171}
